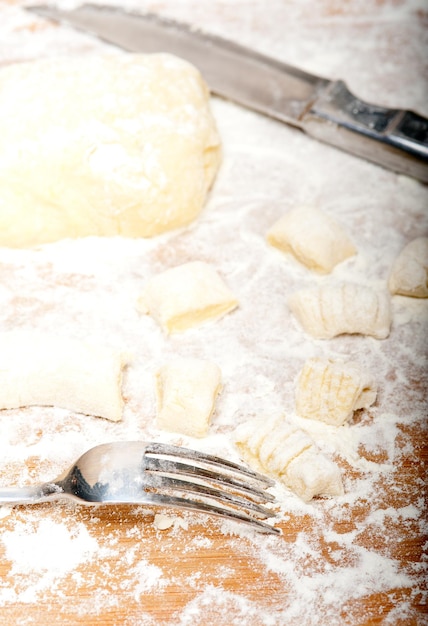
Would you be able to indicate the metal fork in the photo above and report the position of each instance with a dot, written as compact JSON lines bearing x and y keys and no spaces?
{"x":136,"y":472}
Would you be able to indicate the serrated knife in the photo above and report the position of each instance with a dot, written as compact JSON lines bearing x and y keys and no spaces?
{"x":325,"y":109}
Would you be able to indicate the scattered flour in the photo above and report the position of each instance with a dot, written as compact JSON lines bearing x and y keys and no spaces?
{"x":44,"y":551}
{"x":346,"y":548}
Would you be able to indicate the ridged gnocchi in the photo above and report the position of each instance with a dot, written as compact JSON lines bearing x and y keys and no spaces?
{"x":409,"y":273}
{"x":331,"y":390}
{"x":330,"y":310}
{"x":186,"y":391}
{"x":275,"y":447}
{"x":313,"y":237}
{"x":186,"y":296}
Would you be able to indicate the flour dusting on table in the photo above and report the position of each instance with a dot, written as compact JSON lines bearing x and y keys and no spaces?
{"x":343,"y":547}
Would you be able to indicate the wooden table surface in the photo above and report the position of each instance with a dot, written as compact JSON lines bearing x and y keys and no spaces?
{"x":352,"y":560}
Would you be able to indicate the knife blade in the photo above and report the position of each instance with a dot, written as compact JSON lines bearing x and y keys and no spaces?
{"x":326,"y":110}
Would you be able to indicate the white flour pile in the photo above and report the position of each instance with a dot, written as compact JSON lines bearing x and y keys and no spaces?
{"x":335,"y":554}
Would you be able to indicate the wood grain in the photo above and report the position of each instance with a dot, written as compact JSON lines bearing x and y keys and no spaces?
{"x":78,"y":593}
{"x":209,"y":572}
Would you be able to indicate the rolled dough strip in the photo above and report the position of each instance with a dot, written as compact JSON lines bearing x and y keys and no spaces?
{"x":48,"y":370}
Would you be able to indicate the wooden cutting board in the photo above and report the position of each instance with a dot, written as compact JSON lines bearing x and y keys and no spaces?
{"x":352,"y":560}
{"x":201,"y":574}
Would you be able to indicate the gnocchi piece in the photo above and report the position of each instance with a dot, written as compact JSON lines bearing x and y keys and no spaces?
{"x":409,"y":273}
{"x":186,"y":296}
{"x":313,"y":237}
{"x":43,"y":369}
{"x":330,"y":391}
{"x":331,"y":310}
{"x":186,"y":390}
{"x":276,"y":447}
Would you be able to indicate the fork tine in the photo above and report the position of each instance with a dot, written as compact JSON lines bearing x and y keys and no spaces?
{"x":185,"y":454}
{"x":226,"y":497}
{"x":209,"y":483}
{"x":178,"y":468}
{"x":219,"y":511}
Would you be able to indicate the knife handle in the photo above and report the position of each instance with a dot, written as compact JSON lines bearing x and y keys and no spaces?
{"x":392,"y":138}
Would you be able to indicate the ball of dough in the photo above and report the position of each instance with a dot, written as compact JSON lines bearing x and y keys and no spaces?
{"x":103,"y":145}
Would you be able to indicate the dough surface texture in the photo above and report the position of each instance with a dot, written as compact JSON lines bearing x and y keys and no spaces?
{"x":43,"y":369}
{"x":280,"y":449}
{"x":330,"y":390}
{"x":409,"y":273}
{"x":313,"y":237}
{"x":103,"y":145}
{"x":346,"y":308}
{"x":186,"y":390}
{"x":186,"y":296}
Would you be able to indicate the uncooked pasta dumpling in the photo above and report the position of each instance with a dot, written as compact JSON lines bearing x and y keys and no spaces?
{"x":409,"y":273}
{"x":314,"y":238}
{"x":346,"y":308}
{"x":330,"y":390}
{"x":186,"y":296}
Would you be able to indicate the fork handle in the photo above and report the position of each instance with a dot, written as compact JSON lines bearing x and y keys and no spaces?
{"x":27,"y":495}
